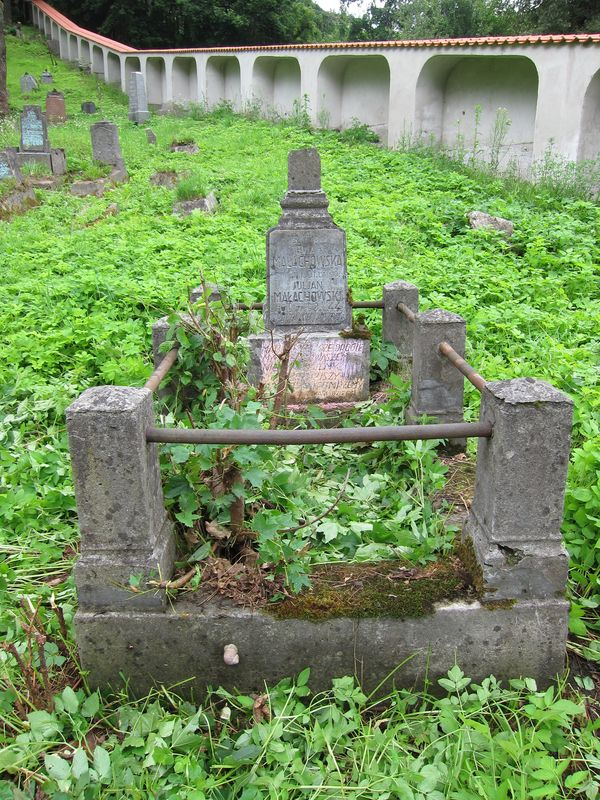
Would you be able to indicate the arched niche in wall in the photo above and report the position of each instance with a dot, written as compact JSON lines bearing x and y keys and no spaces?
{"x":276,"y":83}
{"x":223,"y":82}
{"x":73,"y":48}
{"x":84,"y":57}
{"x":97,"y":61}
{"x":354,"y":89}
{"x":589,"y":136}
{"x":132,"y":64}
{"x":113,"y":64}
{"x":480,"y":107}
{"x":156,"y":80}
{"x":64,"y":44}
{"x":185,"y":80}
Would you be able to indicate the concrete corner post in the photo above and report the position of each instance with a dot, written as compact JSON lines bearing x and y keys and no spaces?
{"x":124,"y":526}
{"x":397,"y":328}
{"x":437,"y":386}
{"x":517,"y":510}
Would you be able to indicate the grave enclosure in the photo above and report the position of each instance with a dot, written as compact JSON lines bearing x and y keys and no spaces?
{"x":517,"y":627}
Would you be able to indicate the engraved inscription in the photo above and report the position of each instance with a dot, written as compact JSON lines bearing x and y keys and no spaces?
{"x":32,"y":130}
{"x":307,"y":278}
{"x":322,"y":369}
{"x":5,"y":170}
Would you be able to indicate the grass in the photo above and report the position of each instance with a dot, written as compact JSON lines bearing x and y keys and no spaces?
{"x":80,"y":290}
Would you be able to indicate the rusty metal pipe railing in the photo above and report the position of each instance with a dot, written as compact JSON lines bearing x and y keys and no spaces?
{"x":462,"y":366}
{"x":404,"y":309}
{"x":390,"y":433}
{"x":161,"y":371}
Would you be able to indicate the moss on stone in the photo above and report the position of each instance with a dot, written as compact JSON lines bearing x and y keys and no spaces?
{"x":494,"y":605}
{"x":383,"y":589}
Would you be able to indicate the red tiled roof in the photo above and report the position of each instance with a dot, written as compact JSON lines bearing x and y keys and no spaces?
{"x":69,"y":26}
{"x":471,"y":41}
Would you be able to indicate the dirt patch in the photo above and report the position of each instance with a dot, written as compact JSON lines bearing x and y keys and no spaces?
{"x":167,"y":179}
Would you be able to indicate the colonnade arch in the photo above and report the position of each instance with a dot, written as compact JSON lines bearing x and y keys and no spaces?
{"x":223,"y":81}
{"x":276,"y":82}
{"x":589,"y":140}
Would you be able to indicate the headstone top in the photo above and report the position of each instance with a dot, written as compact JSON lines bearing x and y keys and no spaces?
{"x":105,"y":143}
{"x":28,"y":83}
{"x":304,"y":170}
{"x":138,"y":100}
{"x":307,"y":285}
{"x":47,"y":77}
{"x":88,"y":107}
{"x":34,"y":133}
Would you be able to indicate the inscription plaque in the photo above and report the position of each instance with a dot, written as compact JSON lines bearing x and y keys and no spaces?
{"x":325,"y":367}
{"x":34,"y":137}
{"x":5,"y":169}
{"x":307,"y":278}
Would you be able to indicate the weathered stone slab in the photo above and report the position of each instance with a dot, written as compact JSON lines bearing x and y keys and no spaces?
{"x":150,"y":136}
{"x":105,"y":143}
{"x":325,"y":366}
{"x":56,"y":110}
{"x":307,"y":283}
{"x":526,"y":640}
{"x":47,"y":77}
{"x":58,"y":161}
{"x":89,"y":107}
{"x":479,"y":219}
{"x":9,"y":166}
{"x":34,"y":132}
{"x":138,"y":100}
{"x":28,"y":83}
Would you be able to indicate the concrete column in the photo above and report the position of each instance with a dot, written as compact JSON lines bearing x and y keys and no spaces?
{"x":437,"y":386}
{"x":397,"y":328}
{"x":310,"y":62}
{"x":124,"y":526}
{"x":517,"y":510}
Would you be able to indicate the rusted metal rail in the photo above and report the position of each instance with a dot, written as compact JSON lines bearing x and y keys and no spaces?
{"x":404,"y":309}
{"x":161,"y":371}
{"x":462,"y":366}
{"x":389,"y":433}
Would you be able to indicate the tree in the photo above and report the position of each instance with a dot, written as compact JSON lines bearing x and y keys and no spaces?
{"x":3,"y":90}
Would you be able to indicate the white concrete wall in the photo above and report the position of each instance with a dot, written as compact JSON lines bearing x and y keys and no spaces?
{"x":550,"y":91}
{"x":276,"y":82}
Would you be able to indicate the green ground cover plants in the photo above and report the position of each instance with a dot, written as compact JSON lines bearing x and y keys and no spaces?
{"x":80,"y":289}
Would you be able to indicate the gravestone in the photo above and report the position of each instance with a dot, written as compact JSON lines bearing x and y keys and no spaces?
{"x":34,"y":132}
{"x":150,"y":136}
{"x":138,"y":101}
{"x":105,"y":144}
{"x":58,"y":161}
{"x":307,"y":297}
{"x":28,"y":83}
{"x":47,"y":77}
{"x":9,"y":167}
{"x":55,"y":107}
{"x":89,"y":107}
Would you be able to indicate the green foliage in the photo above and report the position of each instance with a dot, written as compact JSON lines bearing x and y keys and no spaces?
{"x":79,"y":293}
{"x":474,"y":741}
{"x":191,"y":187}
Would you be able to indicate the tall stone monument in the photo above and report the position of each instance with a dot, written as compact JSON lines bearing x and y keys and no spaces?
{"x":138,"y":100}
{"x":307,"y":297}
{"x":34,"y":131}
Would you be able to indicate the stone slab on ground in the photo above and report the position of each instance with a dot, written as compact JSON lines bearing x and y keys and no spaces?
{"x":187,"y":641}
{"x":324,"y":366}
{"x":479,"y":219}
{"x":208,"y":205}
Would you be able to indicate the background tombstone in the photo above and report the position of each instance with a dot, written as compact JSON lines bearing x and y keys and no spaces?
{"x":9,"y":167}
{"x":150,"y":136}
{"x":58,"y":161}
{"x":105,"y":143}
{"x":138,"y":101}
{"x":34,"y":131}
{"x":55,"y":107}
{"x":46,"y":77}
{"x":89,"y":107}
{"x":28,"y":83}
